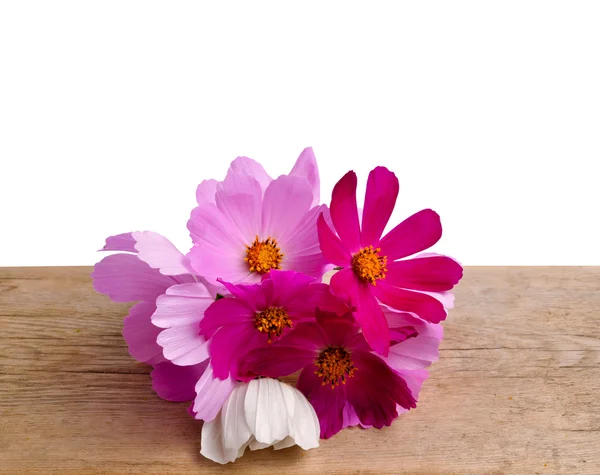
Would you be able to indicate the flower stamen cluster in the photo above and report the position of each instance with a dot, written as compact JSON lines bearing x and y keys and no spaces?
{"x":334,"y":365}
{"x":272,"y":321}
{"x":262,"y":256}
{"x":369,"y":265}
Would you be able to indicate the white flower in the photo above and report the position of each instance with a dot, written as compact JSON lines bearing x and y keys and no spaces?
{"x":326,"y":279}
{"x":259,"y":414}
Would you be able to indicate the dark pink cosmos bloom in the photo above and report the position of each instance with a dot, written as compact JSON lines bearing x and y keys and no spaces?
{"x":373,"y":267}
{"x":340,"y":373}
{"x":256,"y":315}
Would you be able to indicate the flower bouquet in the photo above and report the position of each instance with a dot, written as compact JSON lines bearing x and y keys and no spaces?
{"x":277,"y":283}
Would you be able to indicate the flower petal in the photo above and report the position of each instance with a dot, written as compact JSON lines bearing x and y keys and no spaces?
{"x":380,"y":199}
{"x":328,"y":402}
{"x":306,"y":167}
{"x":305,"y":424}
{"x":176,"y":383}
{"x":266,"y":410}
{"x":239,"y":198}
{"x":159,"y":253}
{"x":372,"y":321}
{"x":434,"y":274}
{"x":214,"y":264}
{"x":205,"y":193}
{"x":183,"y":345}
{"x":374,"y":390}
{"x":287,"y":200}
{"x":140,"y":334}
{"x":344,"y":212}
{"x":247,"y":166}
{"x":334,"y":250}
{"x":121,"y":242}
{"x":229,"y":346}
{"x":124,"y":278}
{"x":236,"y":431}
{"x":222,"y":312}
{"x":278,"y":360}
{"x":413,"y":353}
{"x":182,"y":304}
{"x":425,"y":306}
{"x":415,"y":234}
{"x":211,"y":394}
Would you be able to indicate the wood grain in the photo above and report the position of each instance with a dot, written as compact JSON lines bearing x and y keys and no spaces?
{"x":516,"y":390}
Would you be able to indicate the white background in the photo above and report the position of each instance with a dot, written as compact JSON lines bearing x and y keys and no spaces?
{"x":111,"y":113}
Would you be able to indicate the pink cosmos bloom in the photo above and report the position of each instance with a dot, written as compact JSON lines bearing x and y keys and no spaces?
{"x":338,"y":370}
{"x":249,"y":224}
{"x":373,"y":267}
{"x":147,"y":270}
{"x":258,"y":314}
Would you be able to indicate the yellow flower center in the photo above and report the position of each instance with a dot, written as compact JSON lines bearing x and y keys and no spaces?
{"x":334,"y":365}
{"x":369,"y":265}
{"x":262,"y":256}
{"x":272,"y":321}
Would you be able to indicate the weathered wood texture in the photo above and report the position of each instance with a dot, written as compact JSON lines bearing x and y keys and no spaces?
{"x":517,"y":388}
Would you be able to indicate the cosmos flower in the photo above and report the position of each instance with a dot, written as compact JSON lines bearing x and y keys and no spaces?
{"x":373,"y":268}
{"x":249,"y":224}
{"x":259,"y":414}
{"x":147,"y":266}
{"x":338,"y":370}
{"x":258,"y":314}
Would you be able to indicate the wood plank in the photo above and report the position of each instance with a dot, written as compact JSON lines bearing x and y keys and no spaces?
{"x":516,"y":389}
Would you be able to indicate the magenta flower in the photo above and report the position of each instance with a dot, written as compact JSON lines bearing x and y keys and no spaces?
{"x":415,"y":345}
{"x":259,"y":314}
{"x":249,"y":224}
{"x":338,"y":370}
{"x":372,"y":269}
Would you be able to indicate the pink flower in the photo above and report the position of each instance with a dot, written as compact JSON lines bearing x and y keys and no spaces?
{"x":338,"y":370}
{"x":259,"y":314}
{"x":153,"y":272}
{"x":372,"y":269}
{"x":249,"y":224}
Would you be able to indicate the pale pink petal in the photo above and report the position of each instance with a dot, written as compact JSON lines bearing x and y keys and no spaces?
{"x":414,"y":381}
{"x":208,"y":225}
{"x":121,"y":242}
{"x":159,"y":253}
{"x":247,"y":166}
{"x":205,"y":193}
{"x":183,"y":345}
{"x":306,"y":167}
{"x":182,"y":305}
{"x":286,"y":202}
{"x":140,"y":334}
{"x":413,"y":353}
{"x":239,"y":198}
{"x":380,"y":199}
{"x":211,"y":394}
{"x":214,"y":264}
{"x":344,"y":212}
{"x":176,"y":383}
{"x":124,"y":278}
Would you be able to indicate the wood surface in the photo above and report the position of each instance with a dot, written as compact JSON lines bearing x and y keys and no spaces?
{"x":516,"y":390}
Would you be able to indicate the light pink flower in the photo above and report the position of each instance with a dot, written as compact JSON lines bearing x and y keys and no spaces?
{"x":150,"y":270}
{"x":249,"y":224}
{"x":373,"y":267}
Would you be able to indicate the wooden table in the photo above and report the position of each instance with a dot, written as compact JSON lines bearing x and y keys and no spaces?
{"x":516,"y":390}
